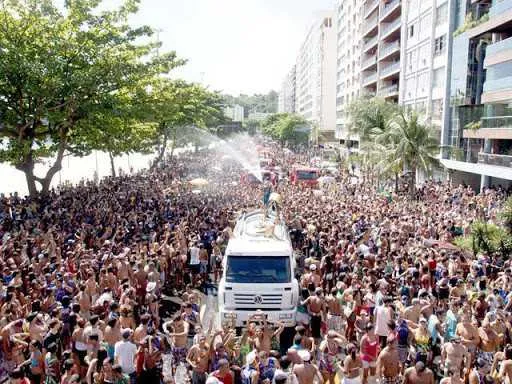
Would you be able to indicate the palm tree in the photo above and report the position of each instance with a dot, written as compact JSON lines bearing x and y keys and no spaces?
{"x":412,"y":143}
{"x":369,"y":118}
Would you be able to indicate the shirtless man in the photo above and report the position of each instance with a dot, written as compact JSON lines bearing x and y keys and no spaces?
{"x":112,"y":335}
{"x":334,"y":312}
{"x":489,"y":340}
{"x":413,"y":312}
{"x":388,"y":362}
{"x":264,"y":334}
{"x":142,"y":330}
{"x":306,"y":371}
{"x":352,"y":366}
{"x":123,"y":268}
{"x":178,"y":330}
{"x":84,"y":299}
{"x":504,"y":360}
{"x":141,"y":280}
{"x":419,"y":374}
{"x":468,"y":334}
{"x":316,"y":306}
{"x":198,"y":357}
{"x":455,"y":356}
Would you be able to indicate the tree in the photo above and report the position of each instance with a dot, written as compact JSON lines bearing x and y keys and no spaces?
{"x":411,"y":142}
{"x":287,"y":128}
{"x":369,"y":118}
{"x":180,"y":110}
{"x":486,"y":238}
{"x":59,"y":70}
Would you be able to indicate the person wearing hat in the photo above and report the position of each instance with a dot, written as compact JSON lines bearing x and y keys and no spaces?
{"x":306,"y":372}
{"x":125,"y":352}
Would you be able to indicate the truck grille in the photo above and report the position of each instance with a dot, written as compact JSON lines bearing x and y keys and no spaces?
{"x":256,"y":299}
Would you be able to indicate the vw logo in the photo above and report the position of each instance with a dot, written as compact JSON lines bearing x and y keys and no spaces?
{"x":258,"y":299}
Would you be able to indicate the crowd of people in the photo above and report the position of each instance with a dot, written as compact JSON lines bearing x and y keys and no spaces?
{"x":385,"y":294}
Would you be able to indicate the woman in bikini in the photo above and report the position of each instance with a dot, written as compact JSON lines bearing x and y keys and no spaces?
{"x":329,"y":349}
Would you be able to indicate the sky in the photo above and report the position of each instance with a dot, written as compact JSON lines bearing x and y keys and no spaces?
{"x":233,"y":46}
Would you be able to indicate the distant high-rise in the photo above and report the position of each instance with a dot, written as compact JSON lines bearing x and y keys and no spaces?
{"x":315,"y":77}
{"x":349,"y":19}
{"x":286,"y":102}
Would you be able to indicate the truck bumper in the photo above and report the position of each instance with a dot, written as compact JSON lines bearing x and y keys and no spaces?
{"x":240,"y":318}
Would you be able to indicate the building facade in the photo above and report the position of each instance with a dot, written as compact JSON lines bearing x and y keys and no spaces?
{"x":349,"y":17}
{"x":235,"y":112}
{"x":286,"y":102}
{"x":380,"y":56}
{"x":315,"y":91}
{"x":477,"y":130}
{"x":424,"y":57}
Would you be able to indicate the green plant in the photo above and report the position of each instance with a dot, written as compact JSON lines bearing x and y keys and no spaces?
{"x":469,"y":23}
{"x":473,"y":125}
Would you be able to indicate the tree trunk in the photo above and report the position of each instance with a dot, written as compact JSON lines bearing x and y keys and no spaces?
{"x":396,"y":182}
{"x":112,"y":164}
{"x":412,"y":183}
{"x":28,"y":169}
{"x":162,"y":149}
{"x":57,"y":165}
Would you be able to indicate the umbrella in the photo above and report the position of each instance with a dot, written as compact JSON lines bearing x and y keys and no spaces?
{"x":199,"y":182}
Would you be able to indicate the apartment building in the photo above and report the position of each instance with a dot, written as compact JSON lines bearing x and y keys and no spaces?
{"x":315,"y":91}
{"x":380,"y":56}
{"x":349,"y":18}
{"x":235,"y":112}
{"x":286,"y":101}
{"x":424,"y":57}
{"x":478,"y":125}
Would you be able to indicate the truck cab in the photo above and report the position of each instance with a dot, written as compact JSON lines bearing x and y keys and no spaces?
{"x":305,"y":175}
{"x":258,"y":272}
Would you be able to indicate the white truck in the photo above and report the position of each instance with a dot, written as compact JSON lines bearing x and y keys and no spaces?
{"x":258,"y":272}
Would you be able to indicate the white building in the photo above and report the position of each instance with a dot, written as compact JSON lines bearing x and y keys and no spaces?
{"x":234,"y":112}
{"x":349,"y":18}
{"x":258,"y":116}
{"x":424,"y":57}
{"x":315,"y":93}
{"x":286,"y":103}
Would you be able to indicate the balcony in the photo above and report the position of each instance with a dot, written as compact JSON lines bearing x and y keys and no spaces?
{"x":494,"y":127}
{"x":390,"y":69}
{"x":370,"y":43}
{"x":388,"y":8}
{"x":498,"y":52}
{"x":368,"y":63}
{"x":498,"y":84}
{"x":388,"y":28}
{"x":493,"y":159}
{"x":500,"y":6}
{"x":391,"y":90}
{"x":370,"y":8}
{"x":370,"y":79}
{"x":387,"y":49}
{"x":370,"y":25}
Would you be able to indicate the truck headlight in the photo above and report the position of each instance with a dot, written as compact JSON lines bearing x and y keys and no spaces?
{"x":230,"y":315}
{"x":285,"y":316}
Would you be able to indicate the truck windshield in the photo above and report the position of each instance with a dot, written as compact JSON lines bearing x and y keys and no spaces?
{"x":258,"y":269}
{"x":306,"y":175}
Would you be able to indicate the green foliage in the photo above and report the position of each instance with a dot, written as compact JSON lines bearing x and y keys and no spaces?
{"x":469,"y":23}
{"x":506,"y":213}
{"x":286,"y":128}
{"x":486,"y":238}
{"x":255,"y":103}
{"x":65,"y":76}
{"x":473,"y":125}
{"x":369,"y":117}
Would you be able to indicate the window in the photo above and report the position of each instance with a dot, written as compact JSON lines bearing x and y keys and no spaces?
{"x":437,"y":109}
{"x":438,"y":78}
{"x":439,"y":45}
{"x":442,"y":14}
{"x":411,"y":31}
